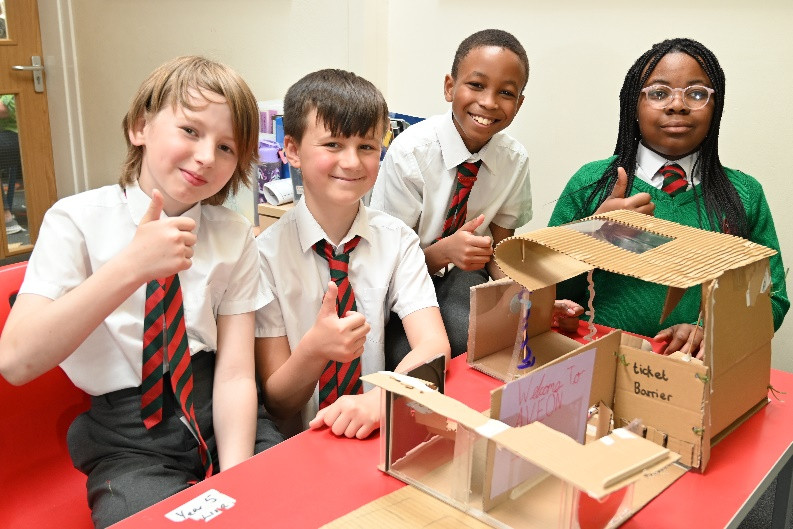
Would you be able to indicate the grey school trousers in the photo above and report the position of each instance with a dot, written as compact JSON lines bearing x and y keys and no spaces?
{"x":453,"y":291}
{"x":129,"y":467}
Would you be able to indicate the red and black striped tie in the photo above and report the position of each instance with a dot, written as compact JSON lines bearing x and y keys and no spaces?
{"x":674,"y":179}
{"x":458,"y":207}
{"x":164,"y":333}
{"x":339,"y":378}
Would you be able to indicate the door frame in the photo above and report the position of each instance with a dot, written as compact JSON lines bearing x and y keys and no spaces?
{"x":56,"y":24}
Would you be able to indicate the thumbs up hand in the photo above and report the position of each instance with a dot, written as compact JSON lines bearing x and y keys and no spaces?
{"x":161,"y":247}
{"x":340,"y":339}
{"x":465,"y":249}
{"x":639,"y":202}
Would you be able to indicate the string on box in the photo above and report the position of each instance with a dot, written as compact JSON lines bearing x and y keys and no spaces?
{"x":590,"y":308}
{"x":528,"y":357}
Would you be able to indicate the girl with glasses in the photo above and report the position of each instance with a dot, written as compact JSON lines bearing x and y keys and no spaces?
{"x":666,"y":163}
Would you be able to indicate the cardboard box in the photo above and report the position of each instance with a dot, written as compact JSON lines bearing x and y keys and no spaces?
{"x":452,"y":452}
{"x":269,"y":213}
{"x":674,"y":396}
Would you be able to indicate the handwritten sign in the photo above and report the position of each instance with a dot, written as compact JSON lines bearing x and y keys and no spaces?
{"x":644,"y":376}
{"x":207,"y":506}
{"x":557,"y":396}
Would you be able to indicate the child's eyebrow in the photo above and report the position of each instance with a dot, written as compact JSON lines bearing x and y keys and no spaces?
{"x":691,"y":82}
{"x":485,"y":76}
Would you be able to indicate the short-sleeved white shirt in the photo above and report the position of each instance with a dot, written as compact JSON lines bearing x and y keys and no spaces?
{"x":81,"y":233}
{"x":387,"y":272}
{"x":418,"y":176}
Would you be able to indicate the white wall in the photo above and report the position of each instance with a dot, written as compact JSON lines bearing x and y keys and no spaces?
{"x":579,"y":54}
{"x":119,"y":43}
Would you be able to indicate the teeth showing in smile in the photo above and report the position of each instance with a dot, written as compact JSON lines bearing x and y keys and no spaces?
{"x":481,"y":120}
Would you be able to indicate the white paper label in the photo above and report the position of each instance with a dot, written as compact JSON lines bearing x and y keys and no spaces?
{"x":205,"y":507}
{"x":491,"y":428}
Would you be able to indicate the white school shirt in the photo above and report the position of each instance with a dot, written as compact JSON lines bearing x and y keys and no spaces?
{"x":82,"y":232}
{"x":418,"y":176}
{"x":648,"y":163}
{"x":387,"y":272}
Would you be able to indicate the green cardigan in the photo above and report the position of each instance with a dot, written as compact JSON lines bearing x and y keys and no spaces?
{"x":633,"y":305}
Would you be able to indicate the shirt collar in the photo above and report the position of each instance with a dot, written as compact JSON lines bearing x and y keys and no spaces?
{"x":453,"y":148}
{"x":649,"y":162}
{"x":138,"y":203}
{"x":309,"y":231}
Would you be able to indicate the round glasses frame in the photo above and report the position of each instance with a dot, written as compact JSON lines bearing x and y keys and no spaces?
{"x":686,"y":96}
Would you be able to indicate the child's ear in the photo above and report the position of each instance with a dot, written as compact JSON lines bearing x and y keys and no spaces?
{"x":448,"y":87}
{"x":135,"y":132}
{"x":290,"y":151}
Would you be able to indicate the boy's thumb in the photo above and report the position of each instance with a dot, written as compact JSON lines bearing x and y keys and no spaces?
{"x":473,"y":224}
{"x":620,"y":185}
{"x":328,"y":307}
{"x":155,"y":208}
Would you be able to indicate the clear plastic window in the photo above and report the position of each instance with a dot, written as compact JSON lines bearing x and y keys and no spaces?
{"x":620,"y":235}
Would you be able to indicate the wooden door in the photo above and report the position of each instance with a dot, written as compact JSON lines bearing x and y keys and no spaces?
{"x":27,"y":175}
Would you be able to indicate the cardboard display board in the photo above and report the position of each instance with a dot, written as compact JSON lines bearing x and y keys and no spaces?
{"x":448,"y":450}
{"x":682,"y":402}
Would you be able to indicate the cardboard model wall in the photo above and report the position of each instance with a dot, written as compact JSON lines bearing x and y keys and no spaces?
{"x":732,"y":273}
{"x":442,"y":447}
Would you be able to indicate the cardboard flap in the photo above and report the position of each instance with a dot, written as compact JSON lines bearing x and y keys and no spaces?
{"x":673,"y":297}
{"x":493,"y":318}
{"x":535,"y":266}
{"x":598,"y":468}
{"x":416,"y":390}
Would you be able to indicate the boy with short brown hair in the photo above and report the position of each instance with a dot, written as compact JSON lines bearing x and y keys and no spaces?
{"x":313,"y":344}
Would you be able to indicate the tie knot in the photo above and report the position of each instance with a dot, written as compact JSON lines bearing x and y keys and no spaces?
{"x":672,"y":169}
{"x":467,"y":171}
{"x":325,"y":250}
{"x":674,"y":179}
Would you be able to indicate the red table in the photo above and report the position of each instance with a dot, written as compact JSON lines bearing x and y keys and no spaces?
{"x":316,"y":477}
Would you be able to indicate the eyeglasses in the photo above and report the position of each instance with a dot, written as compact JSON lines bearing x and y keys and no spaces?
{"x":694,"y":97}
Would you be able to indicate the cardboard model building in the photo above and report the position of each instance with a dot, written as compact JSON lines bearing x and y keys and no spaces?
{"x":529,"y":475}
{"x":684,"y":404}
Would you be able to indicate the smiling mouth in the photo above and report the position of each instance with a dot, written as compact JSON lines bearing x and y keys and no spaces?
{"x":482,"y":120}
{"x":193,"y":178}
{"x":347,"y":179}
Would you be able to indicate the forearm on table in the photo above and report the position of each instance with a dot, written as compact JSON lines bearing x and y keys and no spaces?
{"x":234,"y":412}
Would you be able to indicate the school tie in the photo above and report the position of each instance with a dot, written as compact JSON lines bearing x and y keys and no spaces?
{"x":458,"y":207}
{"x":164,"y":333}
{"x":339,"y":378}
{"x":674,"y":179}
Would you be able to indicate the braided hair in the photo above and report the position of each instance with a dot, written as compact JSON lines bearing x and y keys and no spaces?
{"x":723,"y":208}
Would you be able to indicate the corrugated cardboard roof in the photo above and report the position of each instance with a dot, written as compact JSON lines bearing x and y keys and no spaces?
{"x":692,"y":257}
